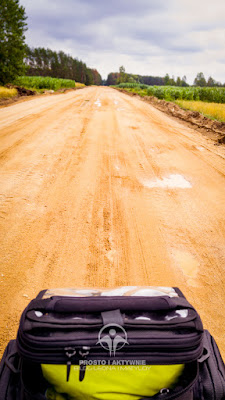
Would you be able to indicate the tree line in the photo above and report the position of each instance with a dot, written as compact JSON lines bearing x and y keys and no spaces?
{"x":201,"y":81}
{"x":17,"y":59}
{"x":46,"y":62}
{"x":115,"y":78}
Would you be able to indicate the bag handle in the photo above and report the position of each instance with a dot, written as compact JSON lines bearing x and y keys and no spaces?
{"x":105,"y":303}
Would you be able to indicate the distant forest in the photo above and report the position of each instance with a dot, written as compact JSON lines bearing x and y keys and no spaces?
{"x":115,"y":78}
{"x":45,"y":62}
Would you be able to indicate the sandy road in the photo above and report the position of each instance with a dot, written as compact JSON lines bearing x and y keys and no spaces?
{"x":100,"y":189}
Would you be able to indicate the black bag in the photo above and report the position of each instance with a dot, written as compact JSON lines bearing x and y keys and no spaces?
{"x":77,"y":328}
{"x":59,"y":329}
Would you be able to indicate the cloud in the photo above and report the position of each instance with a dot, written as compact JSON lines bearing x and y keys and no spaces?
{"x":146,"y":36}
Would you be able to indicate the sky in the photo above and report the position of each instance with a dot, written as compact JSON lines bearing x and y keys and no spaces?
{"x":147,"y":37}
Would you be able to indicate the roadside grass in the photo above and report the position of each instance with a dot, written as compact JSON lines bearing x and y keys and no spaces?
{"x":7,"y":93}
{"x":140,"y":91}
{"x":210,"y":110}
{"x":79,"y":85}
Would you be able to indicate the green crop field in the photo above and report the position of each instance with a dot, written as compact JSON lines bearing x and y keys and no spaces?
{"x":41,"y":82}
{"x":171,"y":93}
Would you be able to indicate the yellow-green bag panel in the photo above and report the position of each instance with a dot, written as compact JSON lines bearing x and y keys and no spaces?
{"x":51,"y":394}
{"x":111,"y":382}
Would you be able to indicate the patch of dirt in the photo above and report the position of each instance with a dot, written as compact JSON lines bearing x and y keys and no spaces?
{"x":67,"y":90}
{"x":214,"y":129}
{"x":22,"y":91}
{"x":8,"y":102}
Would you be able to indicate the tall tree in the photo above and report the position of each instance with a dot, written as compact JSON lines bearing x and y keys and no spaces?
{"x":12,"y":39}
{"x":211,"y":82}
{"x":200,"y":80}
{"x":167,"y":80}
{"x":172,"y":81}
{"x":178,"y":82}
{"x":184,"y":81}
{"x":123,"y":77}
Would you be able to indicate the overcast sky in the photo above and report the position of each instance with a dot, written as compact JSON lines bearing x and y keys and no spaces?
{"x":148,"y":37}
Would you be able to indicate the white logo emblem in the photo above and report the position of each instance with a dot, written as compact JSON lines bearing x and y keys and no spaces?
{"x":112,"y":337}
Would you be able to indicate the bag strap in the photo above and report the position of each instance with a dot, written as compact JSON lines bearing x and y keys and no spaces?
{"x":112,"y":317}
{"x":10,"y":362}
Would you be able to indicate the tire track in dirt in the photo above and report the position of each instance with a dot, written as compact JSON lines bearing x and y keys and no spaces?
{"x":31,"y":125}
{"x":104,"y":256}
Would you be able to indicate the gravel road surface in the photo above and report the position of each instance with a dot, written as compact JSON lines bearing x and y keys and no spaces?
{"x":101,"y":189}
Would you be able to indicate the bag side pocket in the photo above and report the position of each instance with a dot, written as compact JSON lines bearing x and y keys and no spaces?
{"x":211,"y":382}
{"x":10,"y":373}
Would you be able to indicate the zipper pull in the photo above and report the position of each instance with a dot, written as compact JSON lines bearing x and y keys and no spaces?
{"x":68,"y":370}
{"x":164,"y":392}
{"x":83,"y":353}
{"x":70,"y":352}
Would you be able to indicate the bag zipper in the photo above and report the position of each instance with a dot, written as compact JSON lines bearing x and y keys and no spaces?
{"x":70,"y":352}
{"x":83,"y":353}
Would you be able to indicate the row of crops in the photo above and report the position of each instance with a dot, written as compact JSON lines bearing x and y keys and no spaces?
{"x":171,"y":93}
{"x":42,"y":82}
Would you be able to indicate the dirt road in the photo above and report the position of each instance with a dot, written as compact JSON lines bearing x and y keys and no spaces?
{"x":101,"y":189}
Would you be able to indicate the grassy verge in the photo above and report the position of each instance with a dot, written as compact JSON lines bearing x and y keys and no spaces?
{"x":40,"y":83}
{"x":210,"y":110}
{"x":7,"y":93}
